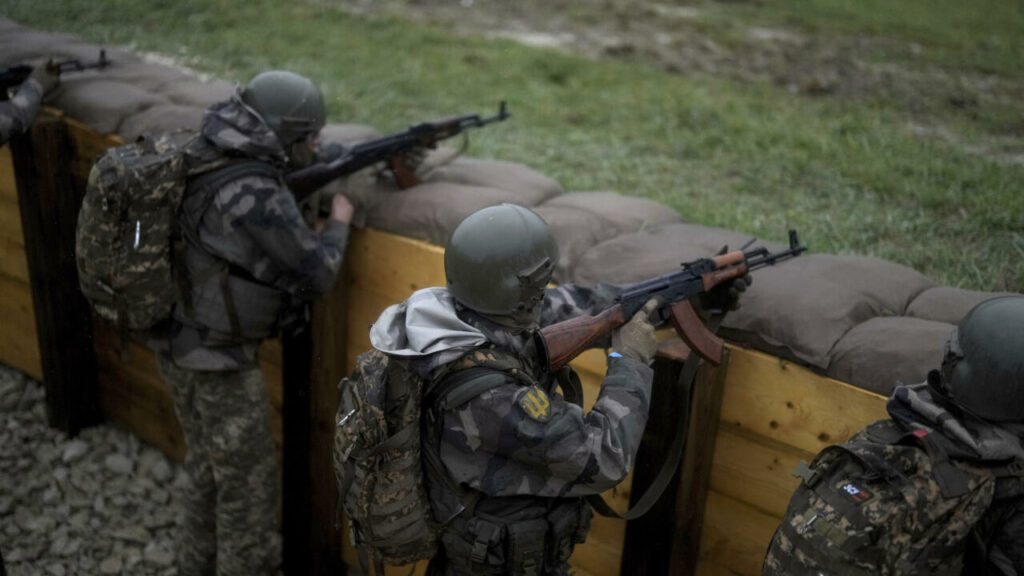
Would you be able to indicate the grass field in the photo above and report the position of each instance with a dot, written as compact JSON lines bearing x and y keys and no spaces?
{"x":853,"y":174}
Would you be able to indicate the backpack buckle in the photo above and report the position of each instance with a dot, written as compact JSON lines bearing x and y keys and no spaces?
{"x":486,"y":534}
{"x":809,"y":476}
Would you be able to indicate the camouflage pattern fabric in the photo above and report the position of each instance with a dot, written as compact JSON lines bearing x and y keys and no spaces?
{"x":254,"y":227}
{"x":231,"y":501}
{"x":874,"y":507}
{"x":380,"y":479}
{"x":125,"y":228}
{"x":16,"y":114}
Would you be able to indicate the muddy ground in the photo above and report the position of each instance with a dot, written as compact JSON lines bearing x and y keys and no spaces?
{"x":933,"y":101}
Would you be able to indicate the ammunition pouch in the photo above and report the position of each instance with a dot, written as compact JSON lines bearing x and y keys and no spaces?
{"x":489,"y":545}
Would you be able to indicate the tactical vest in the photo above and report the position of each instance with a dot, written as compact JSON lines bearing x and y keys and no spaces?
{"x":217,"y":294}
{"x":515,"y":535}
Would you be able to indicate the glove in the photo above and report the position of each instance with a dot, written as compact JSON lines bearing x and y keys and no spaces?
{"x":415,"y":156}
{"x":636,"y":337}
{"x":725,"y":296}
{"x":42,"y":74}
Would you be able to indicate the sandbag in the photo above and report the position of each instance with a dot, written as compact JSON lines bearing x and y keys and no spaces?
{"x":634,"y":257}
{"x":627,"y":213}
{"x":161,"y":118}
{"x":430,"y":211}
{"x":800,"y":308}
{"x":575,"y":232}
{"x":531,"y":187}
{"x":101,"y":104}
{"x":948,"y":304}
{"x":884,"y":352}
{"x":197,"y":92}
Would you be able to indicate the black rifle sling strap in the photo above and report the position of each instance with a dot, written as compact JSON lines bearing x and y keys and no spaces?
{"x":675,"y":452}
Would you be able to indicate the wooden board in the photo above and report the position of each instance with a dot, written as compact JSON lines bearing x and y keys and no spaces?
{"x":735,"y":536}
{"x":19,"y":343}
{"x":792,"y":405}
{"x":133,"y":395}
{"x":8,"y":187}
{"x":774,"y":414}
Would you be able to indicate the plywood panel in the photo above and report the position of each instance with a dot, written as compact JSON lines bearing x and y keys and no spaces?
{"x":133,"y":394}
{"x":792,"y":405}
{"x":735,"y":536}
{"x":8,"y":187}
{"x":755,"y":470}
{"x":19,"y":341}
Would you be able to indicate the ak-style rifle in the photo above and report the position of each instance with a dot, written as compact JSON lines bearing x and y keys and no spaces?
{"x":16,"y":75}
{"x":390,"y":149}
{"x":566,"y":340}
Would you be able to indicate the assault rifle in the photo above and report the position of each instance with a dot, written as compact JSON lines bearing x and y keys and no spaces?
{"x":389,"y":148}
{"x":15,"y":75}
{"x":566,"y":340}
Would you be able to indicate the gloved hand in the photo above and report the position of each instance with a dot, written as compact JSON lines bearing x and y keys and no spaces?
{"x":42,"y":74}
{"x":414,"y":158}
{"x":725,"y":296}
{"x":636,"y":337}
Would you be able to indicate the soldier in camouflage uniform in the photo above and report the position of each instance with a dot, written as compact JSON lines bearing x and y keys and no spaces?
{"x":971,"y":413}
{"x":253,"y":262}
{"x":17,"y":113}
{"x":512,"y":458}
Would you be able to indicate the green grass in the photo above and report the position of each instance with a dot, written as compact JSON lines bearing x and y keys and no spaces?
{"x":753,"y":158}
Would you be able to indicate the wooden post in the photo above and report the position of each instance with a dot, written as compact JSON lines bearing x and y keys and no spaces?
{"x":695,"y":473}
{"x":666,"y":540}
{"x":49,"y":203}
{"x":313,"y":364}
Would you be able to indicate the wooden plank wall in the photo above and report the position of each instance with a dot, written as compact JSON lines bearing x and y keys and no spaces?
{"x":774,"y":414}
{"x":19,"y":341}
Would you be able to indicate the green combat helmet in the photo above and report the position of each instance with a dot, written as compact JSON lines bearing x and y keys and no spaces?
{"x":498,"y":262}
{"x":983,"y":370}
{"x":290,"y":104}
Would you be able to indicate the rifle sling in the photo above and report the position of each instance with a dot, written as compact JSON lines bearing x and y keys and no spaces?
{"x":675,"y":452}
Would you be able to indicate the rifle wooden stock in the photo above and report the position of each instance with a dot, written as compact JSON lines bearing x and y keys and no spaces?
{"x":567,"y":340}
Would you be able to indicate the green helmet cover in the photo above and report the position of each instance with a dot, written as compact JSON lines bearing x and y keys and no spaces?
{"x":499,"y":260}
{"x":983,"y":368}
{"x":291,"y":105}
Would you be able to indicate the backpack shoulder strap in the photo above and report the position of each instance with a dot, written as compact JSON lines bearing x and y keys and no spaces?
{"x":457,"y":388}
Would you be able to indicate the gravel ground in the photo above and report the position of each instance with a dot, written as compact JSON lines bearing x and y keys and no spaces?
{"x":100,"y":503}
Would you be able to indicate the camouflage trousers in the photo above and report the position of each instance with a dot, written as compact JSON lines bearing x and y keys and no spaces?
{"x":229,"y":521}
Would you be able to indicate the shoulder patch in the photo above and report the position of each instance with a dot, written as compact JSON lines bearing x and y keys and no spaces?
{"x":536,"y":404}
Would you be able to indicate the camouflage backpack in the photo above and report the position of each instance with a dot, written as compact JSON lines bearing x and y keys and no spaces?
{"x":885,"y":502}
{"x":128,"y":224}
{"x":378,"y":449}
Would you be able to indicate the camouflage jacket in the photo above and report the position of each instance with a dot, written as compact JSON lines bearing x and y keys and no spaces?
{"x":254,"y":226}
{"x":17,"y":113}
{"x":517,"y":440}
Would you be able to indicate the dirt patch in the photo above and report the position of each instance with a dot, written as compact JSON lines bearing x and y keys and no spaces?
{"x":676,"y":38}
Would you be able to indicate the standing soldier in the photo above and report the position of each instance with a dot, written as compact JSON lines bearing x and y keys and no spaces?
{"x":17,"y":113}
{"x":253,"y":263}
{"x":508,"y":460}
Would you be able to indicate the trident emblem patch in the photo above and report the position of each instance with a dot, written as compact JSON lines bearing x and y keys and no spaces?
{"x":536,"y":404}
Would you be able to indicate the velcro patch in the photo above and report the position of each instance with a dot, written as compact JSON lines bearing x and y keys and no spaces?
{"x":536,"y":404}
{"x":856,"y":494}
